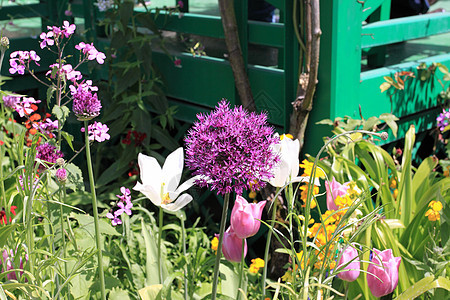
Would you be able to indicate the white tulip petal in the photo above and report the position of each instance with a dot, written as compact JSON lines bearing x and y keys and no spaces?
{"x":181,"y":202}
{"x":172,"y":169}
{"x":187,"y":184}
{"x":151,"y":173}
{"x":149,"y":192}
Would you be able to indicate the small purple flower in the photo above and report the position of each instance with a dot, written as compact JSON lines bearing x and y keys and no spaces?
{"x":97,"y":132}
{"x":114,"y":220}
{"x":68,"y":13}
{"x":15,"y":67}
{"x":443,"y":120}
{"x":231,"y":149}
{"x":125,"y":205}
{"x":91,"y":52}
{"x":181,"y":4}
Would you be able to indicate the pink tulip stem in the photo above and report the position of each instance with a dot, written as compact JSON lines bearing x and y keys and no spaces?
{"x":346,"y":283}
{"x":223,"y":220}
{"x":241,"y":270}
{"x":266,"y":251}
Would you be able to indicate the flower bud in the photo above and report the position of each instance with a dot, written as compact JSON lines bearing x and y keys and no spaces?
{"x":4,"y":43}
{"x":60,"y":161}
{"x":245,"y":217}
{"x":61,"y":175}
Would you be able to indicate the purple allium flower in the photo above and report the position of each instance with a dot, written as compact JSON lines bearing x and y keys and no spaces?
{"x":97,"y":132}
{"x":48,"y":153}
{"x":443,"y":120}
{"x":61,"y":175}
{"x":86,"y":105}
{"x":231,"y":149}
{"x":11,"y":101}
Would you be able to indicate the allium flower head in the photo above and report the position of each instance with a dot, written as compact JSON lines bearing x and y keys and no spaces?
{"x":231,"y":149}
{"x":48,"y":153}
{"x":86,"y":105}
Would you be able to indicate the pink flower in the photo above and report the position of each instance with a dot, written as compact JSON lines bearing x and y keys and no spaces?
{"x":245,"y":217}
{"x":177,"y":63}
{"x":334,"y":189}
{"x":232,"y":246}
{"x":382,"y":273}
{"x":349,"y":261}
{"x":181,"y":4}
{"x":69,"y":29}
{"x":47,"y":39}
{"x":98,"y":132}
{"x":15,"y":67}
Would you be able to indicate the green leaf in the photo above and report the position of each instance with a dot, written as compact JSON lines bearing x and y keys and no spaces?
{"x":50,"y":91}
{"x":151,"y":292}
{"x":424,"y":285}
{"x":5,"y":232}
{"x":61,"y":113}
{"x":390,"y":120}
{"x":152,"y":264}
{"x":74,"y":177}
{"x":325,"y":122}
{"x":385,"y":86}
{"x":230,"y":280}
{"x":87,"y":222}
{"x":69,"y":139}
{"x":118,"y":294}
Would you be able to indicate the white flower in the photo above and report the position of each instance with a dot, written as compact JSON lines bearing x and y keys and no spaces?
{"x":161,"y":185}
{"x":288,"y":167}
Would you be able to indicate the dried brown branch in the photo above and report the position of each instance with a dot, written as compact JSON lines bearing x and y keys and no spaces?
{"x":308,"y":79}
{"x":235,"y":54}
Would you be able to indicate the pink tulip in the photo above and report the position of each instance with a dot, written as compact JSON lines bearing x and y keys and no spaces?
{"x":384,"y":266}
{"x":232,"y":246}
{"x":334,"y":189}
{"x":245,"y":217}
{"x":349,"y":261}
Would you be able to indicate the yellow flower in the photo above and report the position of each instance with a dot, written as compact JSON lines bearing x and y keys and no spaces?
{"x":353,"y":192}
{"x":433,"y":213}
{"x":343,"y":201}
{"x":287,"y":277}
{"x":252,"y":195}
{"x":307,"y":169}
{"x":395,"y":193}
{"x":447,"y":171}
{"x":256,"y":264}
{"x":393,"y":183}
{"x":215,"y":243}
{"x":304,"y":194}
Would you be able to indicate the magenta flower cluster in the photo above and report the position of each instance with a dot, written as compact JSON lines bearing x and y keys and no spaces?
{"x":443,"y":120}
{"x":124,"y":205}
{"x":90,"y":52}
{"x":55,"y":33}
{"x":244,"y":224}
{"x":97,"y":132}
{"x":7,"y":260}
{"x":231,"y":149}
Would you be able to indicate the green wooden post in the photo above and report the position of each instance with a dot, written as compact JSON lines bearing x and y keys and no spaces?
{"x":339,"y":67}
{"x":377,"y":56}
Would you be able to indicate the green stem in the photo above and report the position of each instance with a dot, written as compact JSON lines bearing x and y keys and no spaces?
{"x":49,"y":230}
{"x":241,"y":270}
{"x":101,"y":273}
{"x":161,"y":280}
{"x":4,"y":203}
{"x":219,"y":246}
{"x":183,"y":240}
{"x":346,"y":283}
{"x":63,"y":236}
{"x":290,"y":201}
{"x":266,"y":252}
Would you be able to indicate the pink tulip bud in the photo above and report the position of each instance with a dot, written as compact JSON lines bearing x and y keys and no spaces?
{"x":245,"y":217}
{"x":382,"y":277}
{"x":349,"y":261}
{"x":334,"y":189}
{"x":232,"y":246}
